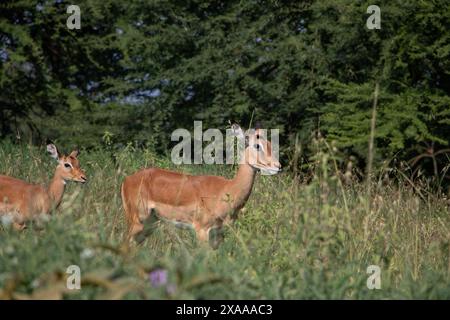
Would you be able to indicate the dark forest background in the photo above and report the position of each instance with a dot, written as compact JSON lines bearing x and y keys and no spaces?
{"x":137,"y":70}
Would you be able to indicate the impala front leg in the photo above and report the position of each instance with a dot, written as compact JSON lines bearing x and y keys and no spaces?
{"x":19,"y":226}
{"x":19,"y":222}
{"x":215,"y":236}
{"x":209,"y":235}
{"x":202,"y":233}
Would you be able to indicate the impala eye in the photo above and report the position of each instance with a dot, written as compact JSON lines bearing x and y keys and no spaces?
{"x":257,"y":136}
{"x":257,"y":147}
{"x":67,"y":165}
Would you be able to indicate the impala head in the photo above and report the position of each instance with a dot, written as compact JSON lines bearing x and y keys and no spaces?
{"x":258,"y":150}
{"x":68,"y":165}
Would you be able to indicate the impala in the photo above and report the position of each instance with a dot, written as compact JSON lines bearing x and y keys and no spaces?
{"x":25,"y":201}
{"x":201,"y":202}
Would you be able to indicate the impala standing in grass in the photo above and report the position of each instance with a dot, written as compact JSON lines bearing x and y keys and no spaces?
{"x":201,"y":202}
{"x":25,"y":201}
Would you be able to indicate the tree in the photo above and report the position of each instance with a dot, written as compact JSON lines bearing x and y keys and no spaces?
{"x":139,"y":69}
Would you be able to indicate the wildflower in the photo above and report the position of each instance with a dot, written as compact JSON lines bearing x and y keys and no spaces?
{"x":35,"y":283}
{"x":158,"y":277}
{"x":87,"y":253}
{"x":9,"y":250}
{"x":6,"y":220}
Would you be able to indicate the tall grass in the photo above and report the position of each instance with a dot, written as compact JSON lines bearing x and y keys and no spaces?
{"x":293,"y":240}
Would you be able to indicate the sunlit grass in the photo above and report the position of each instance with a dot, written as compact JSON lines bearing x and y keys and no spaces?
{"x":293,"y":240}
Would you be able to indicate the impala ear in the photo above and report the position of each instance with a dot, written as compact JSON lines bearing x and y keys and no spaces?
{"x":74,"y":153}
{"x":259,"y":129}
{"x":237,"y":131}
{"x":53,"y":151}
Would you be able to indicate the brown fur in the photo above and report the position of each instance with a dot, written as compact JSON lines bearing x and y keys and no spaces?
{"x":25,"y":201}
{"x":205,"y":202}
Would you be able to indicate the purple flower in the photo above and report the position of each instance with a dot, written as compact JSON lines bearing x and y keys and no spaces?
{"x":158,"y":277}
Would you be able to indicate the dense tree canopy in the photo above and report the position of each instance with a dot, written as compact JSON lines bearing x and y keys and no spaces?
{"x":136,"y":70}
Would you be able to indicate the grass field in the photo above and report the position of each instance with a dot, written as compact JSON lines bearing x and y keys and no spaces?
{"x":294,"y":240}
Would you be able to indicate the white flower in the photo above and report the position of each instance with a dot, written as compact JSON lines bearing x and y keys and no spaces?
{"x":6,"y":220}
{"x":9,"y":250}
{"x":87,"y":253}
{"x":35,"y":283}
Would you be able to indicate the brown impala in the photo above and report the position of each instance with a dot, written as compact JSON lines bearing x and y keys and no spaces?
{"x":201,"y":202}
{"x":25,"y":201}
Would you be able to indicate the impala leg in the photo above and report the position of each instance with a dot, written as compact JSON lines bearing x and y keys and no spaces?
{"x":134,"y":232}
{"x":202,"y":235}
{"x":211,"y":236}
{"x":19,"y":225}
{"x":215,"y":236}
{"x":201,"y":232}
{"x":131,"y":211}
{"x":146,"y":227}
{"x":135,"y":228}
{"x":18,"y":222}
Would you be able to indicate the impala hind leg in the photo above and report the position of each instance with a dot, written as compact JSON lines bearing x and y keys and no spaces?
{"x":135,"y":229}
{"x":201,"y":233}
{"x":215,"y":236}
{"x":134,"y":225}
{"x":147,"y":227}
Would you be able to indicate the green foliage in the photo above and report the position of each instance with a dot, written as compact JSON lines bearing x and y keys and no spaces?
{"x":403,"y":56}
{"x":139,"y":69}
{"x":404,"y":120}
{"x":292,"y":241}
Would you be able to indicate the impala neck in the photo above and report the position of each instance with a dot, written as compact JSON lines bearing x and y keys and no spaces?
{"x":56,"y":189}
{"x":242,"y":184}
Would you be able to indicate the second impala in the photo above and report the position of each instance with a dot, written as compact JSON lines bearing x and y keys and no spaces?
{"x":25,"y":201}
